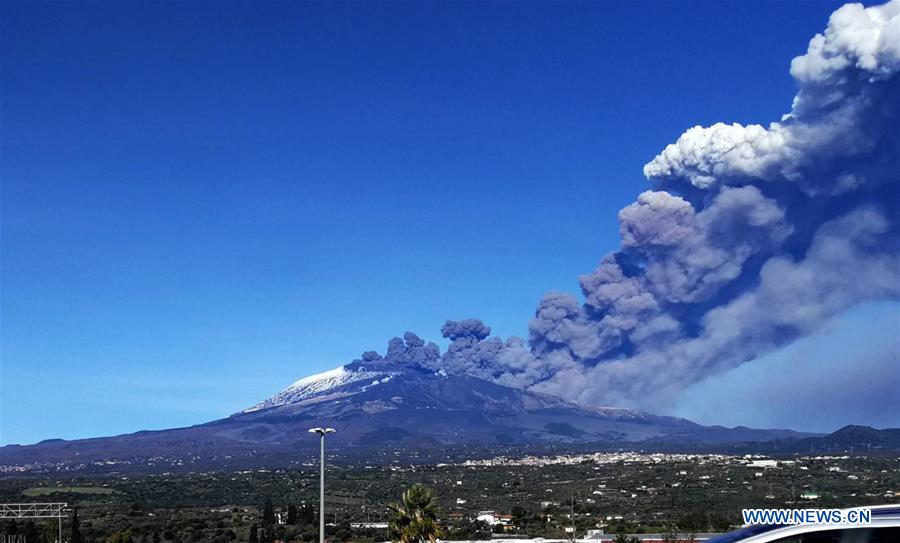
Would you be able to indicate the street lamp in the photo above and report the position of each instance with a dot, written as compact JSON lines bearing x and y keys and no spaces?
{"x":322,"y":432}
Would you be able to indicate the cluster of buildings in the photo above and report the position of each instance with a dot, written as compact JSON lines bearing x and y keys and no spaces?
{"x":599,"y":458}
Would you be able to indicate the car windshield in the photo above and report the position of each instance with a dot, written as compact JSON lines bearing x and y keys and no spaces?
{"x":738,"y":535}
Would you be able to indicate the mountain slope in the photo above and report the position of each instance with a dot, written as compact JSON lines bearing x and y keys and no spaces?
{"x":859,"y":439}
{"x":380,"y":411}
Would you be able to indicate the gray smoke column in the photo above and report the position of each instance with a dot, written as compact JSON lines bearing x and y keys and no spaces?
{"x":751,"y":237}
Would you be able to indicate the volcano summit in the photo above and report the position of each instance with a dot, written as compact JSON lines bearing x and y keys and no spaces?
{"x":382,"y":407}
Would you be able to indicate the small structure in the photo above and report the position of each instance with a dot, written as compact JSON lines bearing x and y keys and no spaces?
{"x":35,"y":510}
{"x":493,"y":518}
{"x":370,"y":525}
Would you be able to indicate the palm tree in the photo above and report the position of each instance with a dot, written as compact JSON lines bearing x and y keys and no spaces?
{"x":415,"y":517}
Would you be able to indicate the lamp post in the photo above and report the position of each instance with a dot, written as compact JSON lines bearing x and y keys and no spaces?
{"x":322,"y":432}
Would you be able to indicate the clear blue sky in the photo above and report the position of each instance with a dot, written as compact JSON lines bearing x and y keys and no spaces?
{"x":205,"y":201}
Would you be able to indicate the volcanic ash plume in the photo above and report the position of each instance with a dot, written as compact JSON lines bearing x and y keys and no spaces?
{"x":751,"y":237}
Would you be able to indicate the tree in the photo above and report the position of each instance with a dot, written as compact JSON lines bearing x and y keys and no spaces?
{"x":720,"y":523}
{"x":415,"y":517}
{"x":268,"y":521}
{"x":122,"y":536}
{"x":254,"y":534}
{"x":29,"y":531}
{"x":693,"y":521}
{"x":268,"y":514}
{"x":75,"y":535}
{"x":9,"y":527}
{"x":518,"y":513}
{"x":307,"y":514}
{"x":622,"y":538}
{"x":292,"y":514}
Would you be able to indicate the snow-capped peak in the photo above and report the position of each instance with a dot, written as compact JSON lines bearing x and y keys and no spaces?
{"x":320,"y":380}
{"x":316,"y":385}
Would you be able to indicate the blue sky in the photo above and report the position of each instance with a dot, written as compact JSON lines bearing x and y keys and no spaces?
{"x":204,"y":202}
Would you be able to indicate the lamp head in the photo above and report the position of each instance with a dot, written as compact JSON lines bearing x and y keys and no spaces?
{"x":322,"y":431}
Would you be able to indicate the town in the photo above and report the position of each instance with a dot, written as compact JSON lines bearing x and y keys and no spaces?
{"x":579,"y":496}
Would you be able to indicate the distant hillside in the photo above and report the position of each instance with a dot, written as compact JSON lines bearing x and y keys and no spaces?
{"x":857,"y":439}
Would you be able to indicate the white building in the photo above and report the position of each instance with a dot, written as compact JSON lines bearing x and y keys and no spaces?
{"x":493,"y":519}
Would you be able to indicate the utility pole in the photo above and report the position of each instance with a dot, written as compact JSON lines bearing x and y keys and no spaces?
{"x":321,"y":432}
{"x":573,"y":515}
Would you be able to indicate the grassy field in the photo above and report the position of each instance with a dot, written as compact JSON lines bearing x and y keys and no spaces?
{"x":47,"y":490}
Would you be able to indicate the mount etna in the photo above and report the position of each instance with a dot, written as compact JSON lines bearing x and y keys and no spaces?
{"x":387,"y":411}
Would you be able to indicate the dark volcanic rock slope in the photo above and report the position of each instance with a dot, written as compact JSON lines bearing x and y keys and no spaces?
{"x":380,"y":407}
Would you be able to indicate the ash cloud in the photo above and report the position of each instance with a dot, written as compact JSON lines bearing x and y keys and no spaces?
{"x":750,"y":237}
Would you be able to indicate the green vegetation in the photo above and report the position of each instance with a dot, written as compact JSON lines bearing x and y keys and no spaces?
{"x":644,"y":493}
{"x":48,"y":490}
{"x":415,"y":518}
